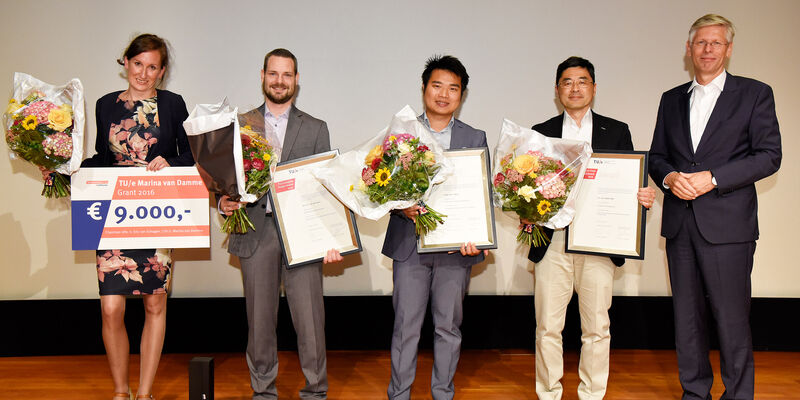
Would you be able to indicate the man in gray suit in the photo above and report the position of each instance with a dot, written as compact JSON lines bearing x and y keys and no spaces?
{"x":442,"y":277}
{"x":259,"y":251}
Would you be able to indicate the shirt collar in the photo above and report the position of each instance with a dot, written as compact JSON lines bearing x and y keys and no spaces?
{"x":586,"y":118}
{"x":718,"y":82}
{"x":268,"y":113}
{"x":427,"y":123}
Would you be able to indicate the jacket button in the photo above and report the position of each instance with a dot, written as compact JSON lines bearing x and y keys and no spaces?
{"x":694,"y":164}
{"x":263,"y":206}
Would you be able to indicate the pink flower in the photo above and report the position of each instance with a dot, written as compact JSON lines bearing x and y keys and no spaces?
{"x":551,"y":186}
{"x":405,"y":159}
{"x":41,"y":109}
{"x":258,"y":164}
{"x":514,"y":176}
{"x":499,"y":179}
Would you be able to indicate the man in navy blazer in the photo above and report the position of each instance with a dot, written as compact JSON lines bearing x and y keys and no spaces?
{"x":714,"y":138}
{"x":559,"y":274}
{"x":442,"y":277}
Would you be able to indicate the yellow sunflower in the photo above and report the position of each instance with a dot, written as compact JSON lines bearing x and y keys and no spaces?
{"x":29,"y":122}
{"x":383,"y":177}
{"x":543,"y":207}
{"x":266,"y":157}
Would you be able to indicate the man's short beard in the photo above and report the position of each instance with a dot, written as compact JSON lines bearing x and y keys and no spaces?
{"x":275,"y":100}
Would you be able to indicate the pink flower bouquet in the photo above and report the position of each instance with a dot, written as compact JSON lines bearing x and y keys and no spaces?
{"x":44,"y":126}
{"x":537,"y":177}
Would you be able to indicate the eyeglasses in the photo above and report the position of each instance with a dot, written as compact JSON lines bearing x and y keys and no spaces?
{"x":581,"y":83}
{"x":701,"y":44}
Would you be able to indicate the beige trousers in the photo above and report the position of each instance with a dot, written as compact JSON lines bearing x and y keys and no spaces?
{"x":556,"y":277}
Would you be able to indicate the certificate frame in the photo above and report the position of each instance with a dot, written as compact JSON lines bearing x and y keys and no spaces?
{"x":489,"y":242}
{"x":292,"y":258}
{"x":637,"y":251}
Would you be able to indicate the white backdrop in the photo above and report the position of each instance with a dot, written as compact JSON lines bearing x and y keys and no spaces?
{"x":359,"y":63}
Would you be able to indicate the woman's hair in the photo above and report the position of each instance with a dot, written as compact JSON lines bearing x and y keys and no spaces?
{"x":147,"y":42}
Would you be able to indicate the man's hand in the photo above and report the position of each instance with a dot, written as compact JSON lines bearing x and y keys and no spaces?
{"x":332,"y":257}
{"x":646,"y":196}
{"x":469,"y":249}
{"x":412,"y":212}
{"x":680,"y":186}
{"x":157,"y":164}
{"x":227,"y":207}
{"x":700,"y":181}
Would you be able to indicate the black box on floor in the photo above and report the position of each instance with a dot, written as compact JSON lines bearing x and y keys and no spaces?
{"x":201,"y":378}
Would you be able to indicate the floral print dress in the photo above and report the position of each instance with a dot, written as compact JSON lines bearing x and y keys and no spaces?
{"x":139,"y":271}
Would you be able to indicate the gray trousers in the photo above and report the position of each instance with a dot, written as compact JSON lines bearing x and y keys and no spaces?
{"x":444,"y":280}
{"x":261,"y":274}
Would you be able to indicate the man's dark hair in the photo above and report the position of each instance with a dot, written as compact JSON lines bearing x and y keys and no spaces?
{"x":575,"y":62}
{"x":281,"y":52}
{"x":447,"y":63}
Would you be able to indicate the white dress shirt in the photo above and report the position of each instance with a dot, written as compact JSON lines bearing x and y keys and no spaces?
{"x":571,"y":130}
{"x":276,"y":124}
{"x":701,"y":104}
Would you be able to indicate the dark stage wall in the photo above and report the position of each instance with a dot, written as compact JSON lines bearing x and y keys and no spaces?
{"x":206,"y":325}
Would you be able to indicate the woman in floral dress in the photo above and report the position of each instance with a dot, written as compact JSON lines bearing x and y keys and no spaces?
{"x":138,"y":127}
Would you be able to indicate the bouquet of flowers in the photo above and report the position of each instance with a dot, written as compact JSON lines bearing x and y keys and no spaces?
{"x":234,"y":156}
{"x":44,"y":126}
{"x":394,"y":170}
{"x":538,"y":177}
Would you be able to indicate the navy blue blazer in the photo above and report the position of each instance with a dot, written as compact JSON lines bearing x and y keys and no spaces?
{"x":607,"y":134}
{"x":740,"y":145}
{"x":401,"y":237}
{"x":172,"y":144}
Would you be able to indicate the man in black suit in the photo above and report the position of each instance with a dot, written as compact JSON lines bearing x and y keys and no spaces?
{"x":558,"y":274}
{"x":714,"y":138}
{"x":441,"y":277}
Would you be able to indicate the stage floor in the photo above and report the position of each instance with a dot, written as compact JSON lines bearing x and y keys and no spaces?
{"x":357,"y":375}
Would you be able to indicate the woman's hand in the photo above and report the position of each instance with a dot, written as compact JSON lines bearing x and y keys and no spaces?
{"x":157,"y":164}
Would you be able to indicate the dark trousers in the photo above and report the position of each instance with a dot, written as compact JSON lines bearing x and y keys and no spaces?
{"x":711,"y":277}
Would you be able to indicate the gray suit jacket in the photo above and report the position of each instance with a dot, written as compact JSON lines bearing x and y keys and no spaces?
{"x":401,"y":238}
{"x":305,"y":136}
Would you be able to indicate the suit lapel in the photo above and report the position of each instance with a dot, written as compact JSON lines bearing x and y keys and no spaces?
{"x":721,"y":112}
{"x":683,"y":109}
{"x":457,"y":135}
{"x":601,"y":136}
{"x":292,"y":130}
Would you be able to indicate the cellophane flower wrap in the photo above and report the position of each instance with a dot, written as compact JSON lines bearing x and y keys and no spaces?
{"x":234,"y":154}
{"x":44,"y":126}
{"x":538,"y":178}
{"x":396,"y":169}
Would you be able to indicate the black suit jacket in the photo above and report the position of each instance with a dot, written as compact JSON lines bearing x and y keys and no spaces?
{"x":401,"y":237}
{"x":607,"y":134}
{"x":172,"y":144}
{"x":740,"y":145}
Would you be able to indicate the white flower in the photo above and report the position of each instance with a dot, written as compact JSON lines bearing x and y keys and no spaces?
{"x":404,"y":147}
{"x":527,"y":193}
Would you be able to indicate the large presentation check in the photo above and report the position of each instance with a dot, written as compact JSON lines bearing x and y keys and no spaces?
{"x":131,"y":208}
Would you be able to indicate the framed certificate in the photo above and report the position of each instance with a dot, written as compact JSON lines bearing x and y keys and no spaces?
{"x":466,"y":199}
{"x":310,"y":220}
{"x":609,"y":220}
